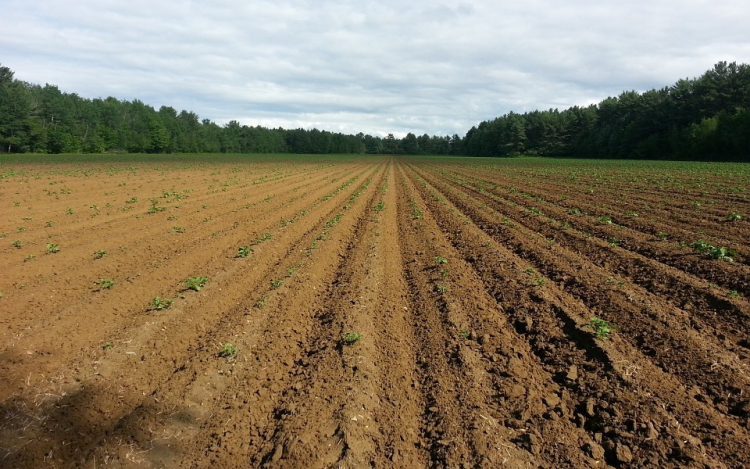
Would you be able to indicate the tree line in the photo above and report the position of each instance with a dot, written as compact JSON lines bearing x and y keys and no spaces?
{"x":43,"y":119}
{"x":705,"y":118}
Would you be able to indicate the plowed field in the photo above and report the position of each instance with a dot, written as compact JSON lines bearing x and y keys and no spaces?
{"x":470,"y":284}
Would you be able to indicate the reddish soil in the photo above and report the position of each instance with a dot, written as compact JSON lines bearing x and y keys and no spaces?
{"x":471,"y":286}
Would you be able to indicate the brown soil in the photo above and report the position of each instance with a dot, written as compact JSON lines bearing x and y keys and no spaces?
{"x":471,"y":291}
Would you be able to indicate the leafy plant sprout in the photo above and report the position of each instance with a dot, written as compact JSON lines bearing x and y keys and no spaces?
{"x":734,"y":216}
{"x":244,"y":251}
{"x":196,"y":283}
{"x":601,"y":328}
{"x":107,"y":345}
{"x":276,"y":284}
{"x":17,"y":244}
{"x":228,"y":351}
{"x":661,"y":236}
{"x":99,"y":254}
{"x":439,"y":260}
{"x":159,"y":303}
{"x":53,"y":248}
{"x":351,"y":338}
{"x":105,"y":283}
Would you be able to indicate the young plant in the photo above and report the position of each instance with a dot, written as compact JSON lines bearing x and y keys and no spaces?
{"x":99,"y":254}
{"x":178,"y":229}
{"x":440,"y":288}
{"x":734,"y":216}
{"x":107,"y":345}
{"x":17,"y":244}
{"x":244,"y":251}
{"x":605,"y":219}
{"x":228,"y":351}
{"x":276,"y":284}
{"x":601,"y":328}
{"x":614,"y":242}
{"x":439,"y":260}
{"x":159,"y":303}
{"x":52,"y":248}
{"x":196,"y":283}
{"x":722,"y":253}
{"x":661,"y":236}
{"x":351,"y":338}
{"x":105,"y":283}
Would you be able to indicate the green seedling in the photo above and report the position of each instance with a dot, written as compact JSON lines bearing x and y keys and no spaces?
{"x":159,"y":303}
{"x":261,"y":302}
{"x":465,"y":333}
{"x":49,"y":224}
{"x":440,"y":288}
{"x":178,"y":229}
{"x":379,"y":207}
{"x":614,"y":242}
{"x":661,"y":236}
{"x":228,"y":351}
{"x":105,"y":284}
{"x":107,"y":345}
{"x":440,"y":260}
{"x":28,"y":258}
{"x":53,"y":248}
{"x":69,"y":211}
{"x":733,"y":294}
{"x":734,"y":216}
{"x":351,"y":338}
{"x":539,"y":281}
{"x":99,"y":254}
{"x":605,"y":219}
{"x":196,"y":283}
{"x":444,"y":273}
{"x":276,"y":284}
{"x":722,"y":253}
{"x":244,"y":251}
{"x":17,"y":244}
{"x":601,"y":328}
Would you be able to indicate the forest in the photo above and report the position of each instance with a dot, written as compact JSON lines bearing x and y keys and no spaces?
{"x":704,"y":118}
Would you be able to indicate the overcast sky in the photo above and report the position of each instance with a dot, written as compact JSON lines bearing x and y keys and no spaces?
{"x":422,"y":66}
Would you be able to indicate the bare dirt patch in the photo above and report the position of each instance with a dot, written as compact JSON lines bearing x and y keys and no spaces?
{"x":371,"y":312}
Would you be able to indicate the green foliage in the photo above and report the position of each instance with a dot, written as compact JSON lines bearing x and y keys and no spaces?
{"x":276,"y":284}
{"x":244,"y":251}
{"x":734,"y":216}
{"x":228,"y":351}
{"x":52,"y":248}
{"x":99,"y":254}
{"x":719,"y":253}
{"x":159,"y":303}
{"x":107,"y":345}
{"x":614,"y":242}
{"x":379,"y":207}
{"x":350,"y":338}
{"x":105,"y":284}
{"x":601,"y":328}
{"x":18,"y":244}
{"x":605,"y":219}
{"x":195,"y":283}
{"x":439,"y":260}
{"x":661,"y":236}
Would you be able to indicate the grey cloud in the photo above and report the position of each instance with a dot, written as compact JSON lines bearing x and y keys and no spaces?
{"x":377,"y":67}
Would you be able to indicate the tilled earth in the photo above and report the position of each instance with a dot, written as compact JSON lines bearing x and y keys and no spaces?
{"x":471,"y":286}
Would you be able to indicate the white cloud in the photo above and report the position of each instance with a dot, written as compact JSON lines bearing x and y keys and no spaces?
{"x":373,"y":66}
